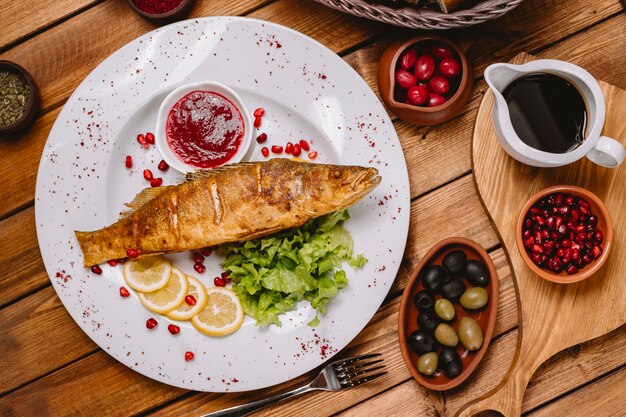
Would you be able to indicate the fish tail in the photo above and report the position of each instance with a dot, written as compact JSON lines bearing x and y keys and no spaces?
{"x":105,"y":244}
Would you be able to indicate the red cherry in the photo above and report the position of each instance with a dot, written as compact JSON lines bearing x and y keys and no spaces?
{"x":441,"y":51}
{"x":424,"y":67}
{"x":408,"y":59}
{"x":418,"y":95}
{"x":405,"y":79}
{"x":450,"y":67}
{"x":435,"y":100}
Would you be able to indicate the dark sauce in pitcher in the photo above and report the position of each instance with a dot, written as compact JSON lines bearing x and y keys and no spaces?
{"x":547,"y":112}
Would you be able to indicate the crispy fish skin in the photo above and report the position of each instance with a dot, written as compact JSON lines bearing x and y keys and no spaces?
{"x":232,"y":204}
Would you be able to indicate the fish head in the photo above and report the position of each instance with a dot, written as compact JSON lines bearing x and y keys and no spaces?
{"x":348,"y":184}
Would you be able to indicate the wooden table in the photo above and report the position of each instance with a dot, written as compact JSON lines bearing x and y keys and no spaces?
{"x":50,"y":367}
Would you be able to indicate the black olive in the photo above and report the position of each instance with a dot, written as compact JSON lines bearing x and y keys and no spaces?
{"x":421,"y":342}
{"x":454,"y":262}
{"x":424,"y":301}
{"x":477,"y":273}
{"x":432,"y":277}
{"x":453,"y":289}
{"x":428,"y":321}
{"x":450,"y":362}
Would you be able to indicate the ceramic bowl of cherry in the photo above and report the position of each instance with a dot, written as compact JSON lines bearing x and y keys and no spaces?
{"x":564,"y":233}
{"x":425,"y":80}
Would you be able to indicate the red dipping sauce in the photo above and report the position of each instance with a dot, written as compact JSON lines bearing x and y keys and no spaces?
{"x":204,"y":129}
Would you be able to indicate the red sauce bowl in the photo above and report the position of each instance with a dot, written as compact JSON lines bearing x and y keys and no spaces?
{"x":486,"y":317}
{"x":173,"y":98}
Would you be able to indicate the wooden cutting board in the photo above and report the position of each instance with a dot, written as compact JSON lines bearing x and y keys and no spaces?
{"x":553,"y":316}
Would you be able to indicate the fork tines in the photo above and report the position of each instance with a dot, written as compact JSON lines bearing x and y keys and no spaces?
{"x":348,"y":369}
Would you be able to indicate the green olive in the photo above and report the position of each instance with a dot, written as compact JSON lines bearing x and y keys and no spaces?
{"x":470,"y":333}
{"x":446,"y":335}
{"x":427,"y":363}
{"x":474,"y":298}
{"x":444,"y":309}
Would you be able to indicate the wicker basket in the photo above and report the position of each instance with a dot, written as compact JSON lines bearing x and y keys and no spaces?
{"x":416,"y":18}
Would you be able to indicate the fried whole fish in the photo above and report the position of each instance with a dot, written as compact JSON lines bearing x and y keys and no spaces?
{"x":233,"y":203}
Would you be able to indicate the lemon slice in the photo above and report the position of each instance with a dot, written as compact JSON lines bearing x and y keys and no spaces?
{"x":169,"y":297}
{"x":184,"y":311}
{"x":222,"y":315}
{"x":147,"y":274}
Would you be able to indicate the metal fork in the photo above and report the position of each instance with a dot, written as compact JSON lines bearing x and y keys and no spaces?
{"x":336,"y":376}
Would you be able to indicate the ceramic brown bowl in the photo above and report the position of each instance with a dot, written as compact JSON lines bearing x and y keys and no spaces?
{"x":168,"y":17}
{"x":486,"y":317}
{"x":416,"y":114}
{"x":604,"y":224}
{"x":32,"y":107}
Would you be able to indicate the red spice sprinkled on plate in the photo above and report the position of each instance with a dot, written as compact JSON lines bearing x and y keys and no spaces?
{"x":190,"y":300}
{"x":173,"y":329}
{"x":151,"y":323}
{"x":96,"y":270}
{"x":124,"y":292}
{"x":129,"y":161}
{"x":157,"y":7}
{"x":189,"y":356}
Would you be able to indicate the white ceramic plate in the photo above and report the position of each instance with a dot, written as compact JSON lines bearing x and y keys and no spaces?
{"x":307,"y":92}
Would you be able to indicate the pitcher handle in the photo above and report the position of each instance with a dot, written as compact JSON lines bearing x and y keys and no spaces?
{"x":608,"y":152}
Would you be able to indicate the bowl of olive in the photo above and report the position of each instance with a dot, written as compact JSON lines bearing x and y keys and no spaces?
{"x":448,"y":313}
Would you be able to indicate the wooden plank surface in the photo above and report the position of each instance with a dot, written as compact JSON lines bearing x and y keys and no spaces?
{"x":39,"y":380}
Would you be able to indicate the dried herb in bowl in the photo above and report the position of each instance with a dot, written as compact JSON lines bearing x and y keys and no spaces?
{"x":14,"y":96}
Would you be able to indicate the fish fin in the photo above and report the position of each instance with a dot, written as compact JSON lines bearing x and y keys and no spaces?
{"x":142,"y":198}
{"x":192,"y":176}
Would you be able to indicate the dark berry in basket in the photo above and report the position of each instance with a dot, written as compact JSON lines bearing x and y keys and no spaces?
{"x":450,"y":362}
{"x":424,"y":301}
{"x":454,"y":262}
{"x":453,"y":289}
{"x":421,"y":342}
{"x":477,"y":273}
{"x":428,"y":321}
{"x":433,"y":277}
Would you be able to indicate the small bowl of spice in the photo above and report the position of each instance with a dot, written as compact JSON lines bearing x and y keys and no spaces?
{"x":203,"y":125}
{"x":19,"y":98}
{"x":161,"y":11}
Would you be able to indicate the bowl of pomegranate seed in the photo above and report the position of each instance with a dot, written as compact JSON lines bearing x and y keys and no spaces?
{"x":564,"y":233}
{"x":425,"y":80}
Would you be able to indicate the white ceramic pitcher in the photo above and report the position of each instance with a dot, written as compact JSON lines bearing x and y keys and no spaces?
{"x":599,"y":149}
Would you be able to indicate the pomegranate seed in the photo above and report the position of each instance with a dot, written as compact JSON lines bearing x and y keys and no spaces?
{"x":96,"y":270}
{"x":587,"y":258}
{"x":206,"y":252}
{"x":265,"y":151}
{"x":199,"y":268}
{"x":529,"y":242}
{"x":225,"y":274}
{"x":536,"y":258}
{"x":173,"y":329}
{"x":189,"y":356}
{"x":219,"y":282}
{"x":598,"y":236}
{"x":147,"y":174}
{"x":151,"y":323}
{"x":257,"y":122}
{"x":304,"y":145}
{"x":534,"y":210}
{"x":112,"y":262}
{"x":296,"y":150}
{"x":536,"y":248}
{"x":261,"y":138}
{"x":313,"y":155}
{"x":124,"y":292}
{"x":150,"y":138}
{"x":566,"y":243}
{"x":156,"y":182}
{"x":163,"y":166}
{"x":596,"y":251}
{"x":259,"y":112}
{"x":569,"y":200}
{"x":132,"y":253}
{"x":190,"y":300}
{"x":289,"y":148}
{"x":277,"y":149}
{"x":571,"y":269}
{"x":141,"y":139}
{"x":129,"y":161}
{"x":575,"y":214}
{"x":197,"y":257}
